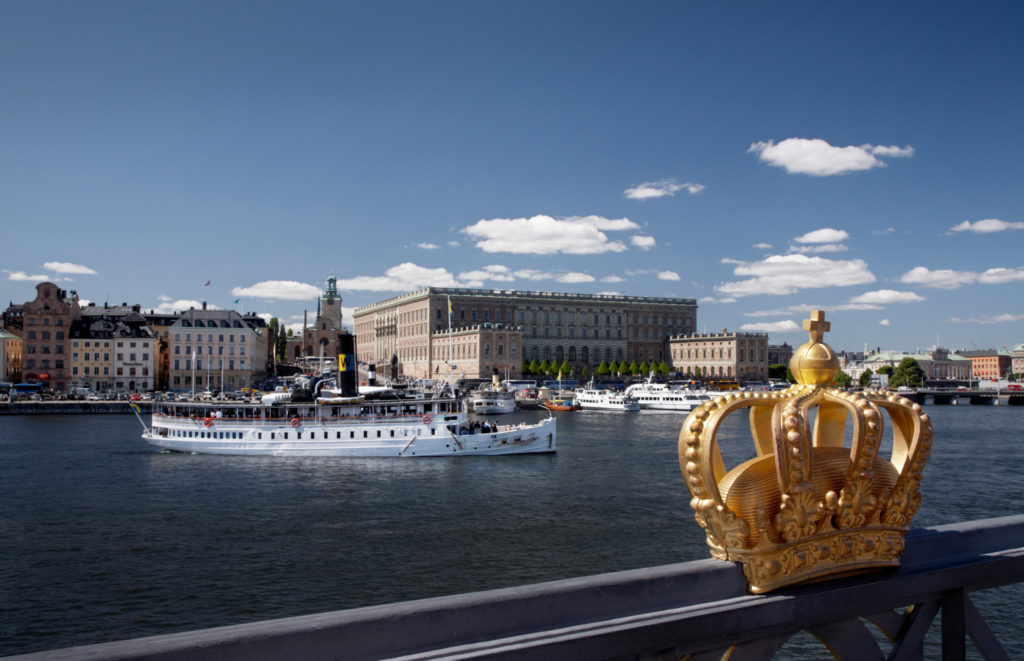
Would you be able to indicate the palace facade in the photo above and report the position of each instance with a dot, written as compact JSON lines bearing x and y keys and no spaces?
{"x":725,"y":355}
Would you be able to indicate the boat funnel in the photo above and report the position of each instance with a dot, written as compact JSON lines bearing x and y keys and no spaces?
{"x":495,"y":380}
{"x":371,"y":375}
{"x":347,"y":365}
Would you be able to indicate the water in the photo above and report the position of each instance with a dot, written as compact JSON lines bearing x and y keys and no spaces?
{"x":102,"y":538}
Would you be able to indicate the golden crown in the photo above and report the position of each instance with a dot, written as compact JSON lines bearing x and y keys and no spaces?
{"x":807,"y":507}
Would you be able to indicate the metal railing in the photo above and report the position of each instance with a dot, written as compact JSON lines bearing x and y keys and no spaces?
{"x":694,"y":610}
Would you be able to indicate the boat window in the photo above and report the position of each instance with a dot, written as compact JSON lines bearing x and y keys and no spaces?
{"x":378,"y":433}
{"x":351,"y":434}
{"x":392,"y":433}
{"x":297,"y":435}
{"x":271,"y":435}
{"x":365,"y":434}
{"x":285,"y":436}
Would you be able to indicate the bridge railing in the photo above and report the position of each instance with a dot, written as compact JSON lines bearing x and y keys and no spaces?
{"x":694,"y":610}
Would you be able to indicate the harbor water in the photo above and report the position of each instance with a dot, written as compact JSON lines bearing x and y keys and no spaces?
{"x":102,"y":538}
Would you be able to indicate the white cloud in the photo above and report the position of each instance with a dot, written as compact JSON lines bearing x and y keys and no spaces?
{"x":575,"y":277}
{"x":818,"y":158}
{"x":168,"y":306}
{"x":993,"y":319}
{"x":950,"y":279}
{"x":403,"y":277}
{"x":763,"y":246}
{"x":283,"y":290}
{"x":787,"y":326}
{"x":21,"y":276}
{"x":613,"y":279}
{"x":67,"y":268}
{"x":986,"y":226}
{"x":787,"y":274}
{"x":454,"y":244}
{"x":663,"y":188}
{"x":643,"y":242}
{"x":564,"y":277}
{"x":495,"y":272}
{"x":668,"y":275}
{"x":883,"y":232}
{"x":884,"y":322}
{"x":826,"y":247}
{"x":428,"y":246}
{"x":824,"y":235}
{"x":544,"y":235}
{"x":887,"y":297}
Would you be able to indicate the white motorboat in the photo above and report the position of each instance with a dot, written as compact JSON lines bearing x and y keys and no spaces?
{"x":658,"y":396}
{"x":323,"y":421}
{"x":605,"y":399}
{"x":492,"y":402}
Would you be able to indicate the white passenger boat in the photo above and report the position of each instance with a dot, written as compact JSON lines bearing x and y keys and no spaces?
{"x":605,"y":399}
{"x":493,"y":400}
{"x":658,"y":396}
{"x":323,"y":421}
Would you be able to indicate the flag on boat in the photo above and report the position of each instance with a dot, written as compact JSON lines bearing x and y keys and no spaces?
{"x":135,"y":407}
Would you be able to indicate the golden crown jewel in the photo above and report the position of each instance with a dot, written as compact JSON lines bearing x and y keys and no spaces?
{"x":807,"y":507}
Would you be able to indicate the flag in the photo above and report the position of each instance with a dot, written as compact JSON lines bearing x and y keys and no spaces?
{"x":207,"y":284}
{"x":237,"y":301}
{"x":135,"y":407}
{"x":449,"y":306}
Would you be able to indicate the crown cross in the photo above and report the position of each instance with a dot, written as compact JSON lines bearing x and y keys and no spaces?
{"x":817,"y":325}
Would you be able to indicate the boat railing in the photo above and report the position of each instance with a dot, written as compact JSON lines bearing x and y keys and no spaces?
{"x":210,"y":421}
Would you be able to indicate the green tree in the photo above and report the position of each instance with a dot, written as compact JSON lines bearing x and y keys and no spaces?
{"x":777,"y":371}
{"x":636,"y":369}
{"x":663,"y":368}
{"x":564,"y":368}
{"x":614,"y":368}
{"x":545,"y":367}
{"x":886,"y":370}
{"x":535,"y":367}
{"x":602,"y":369}
{"x":583,"y":372}
{"x":908,"y":373}
{"x":843,"y":380}
{"x":865,"y":378}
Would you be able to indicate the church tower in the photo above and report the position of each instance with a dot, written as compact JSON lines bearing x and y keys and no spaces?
{"x":330,"y":302}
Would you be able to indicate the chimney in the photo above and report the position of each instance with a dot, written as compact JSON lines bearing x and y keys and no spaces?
{"x":204,"y":305}
{"x":347,"y":365}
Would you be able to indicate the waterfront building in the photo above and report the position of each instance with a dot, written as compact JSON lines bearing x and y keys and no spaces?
{"x":740,"y":356}
{"x":321,"y":338}
{"x":780,"y":354}
{"x":47,"y":320}
{"x":989,"y":364}
{"x":581,"y":329}
{"x":10,"y":356}
{"x":13,"y":318}
{"x":160,"y":323}
{"x":937,"y":364}
{"x":217,"y":350}
{"x":112,"y":350}
{"x":1017,"y":359}
{"x":477,"y":351}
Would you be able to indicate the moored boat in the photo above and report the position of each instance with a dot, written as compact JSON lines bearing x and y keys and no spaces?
{"x":560,"y":404}
{"x":658,"y":396}
{"x":605,"y":399}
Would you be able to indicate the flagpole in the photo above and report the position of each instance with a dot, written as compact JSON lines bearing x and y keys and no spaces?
{"x":193,"y":374}
{"x":451,"y":380}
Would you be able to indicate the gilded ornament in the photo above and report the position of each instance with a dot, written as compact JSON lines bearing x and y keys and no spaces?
{"x":807,"y":507}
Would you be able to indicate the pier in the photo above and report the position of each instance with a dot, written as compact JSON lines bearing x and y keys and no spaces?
{"x":693,"y":610}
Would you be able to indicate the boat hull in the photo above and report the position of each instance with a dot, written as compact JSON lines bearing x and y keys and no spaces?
{"x":327,"y":440}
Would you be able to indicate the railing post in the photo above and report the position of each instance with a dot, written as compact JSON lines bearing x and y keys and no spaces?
{"x":954,"y":640}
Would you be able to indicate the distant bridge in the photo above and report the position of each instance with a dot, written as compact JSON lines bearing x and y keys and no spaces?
{"x":982,"y":397}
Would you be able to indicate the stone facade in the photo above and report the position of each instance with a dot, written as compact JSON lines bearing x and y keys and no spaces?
{"x":10,"y":356}
{"x":725,"y":355}
{"x":476,"y":351}
{"x":988,"y":363}
{"x":582,"y":329}
{"x":217,"y":350}
{"x":321,"y":338}
{"x":47,"y":321}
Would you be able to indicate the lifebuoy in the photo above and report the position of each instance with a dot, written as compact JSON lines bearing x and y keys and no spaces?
{"x":296,"y":423}
{"x":208,"y":422}
{"x":426,"y":419}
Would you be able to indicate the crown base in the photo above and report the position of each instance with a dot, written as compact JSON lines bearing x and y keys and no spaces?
{"x":824,"y":556}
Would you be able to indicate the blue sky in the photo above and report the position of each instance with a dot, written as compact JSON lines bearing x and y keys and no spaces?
{"x":763,"y":158}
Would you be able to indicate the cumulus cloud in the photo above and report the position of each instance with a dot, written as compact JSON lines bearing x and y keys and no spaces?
{"x":662,"y":188}
{"x":887,"y":297}
{"x":824,"y":235}
{"x":763,"y":246}
{"x":428,"y":246}
{"x":67,"y":268}
{"x":787,"y":274}
{"x":826,"y":247}
{"x":21,"y":276}
{"x":558,"y":276}
{"x":613,"y":279}
{"x":950,"y":279}
{"x":282,"y":290}
{"x":818,"y":158}
{"x":987,"y":226}
{"x":170,"y":306}
{"x":495,"y":272}
{"x":544,"y":235}
{"x":786,"y":326}
{"x":403,"y":277}
{"x":668,"y":275}
{"x":643,"y":242}
{"x":883,"y":232}
{"x":884,"y":322}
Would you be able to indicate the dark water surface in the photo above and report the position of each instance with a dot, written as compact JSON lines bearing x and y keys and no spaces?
{"x":103,"y":538}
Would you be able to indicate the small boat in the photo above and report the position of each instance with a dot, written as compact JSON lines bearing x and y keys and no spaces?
{"x":493,"y":400}
{"x":659,"y":397}
{"x":605,"y":399}
{"x":560,"y":404}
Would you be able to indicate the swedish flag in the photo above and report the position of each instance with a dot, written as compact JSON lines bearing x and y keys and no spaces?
{"x":135,"y":407}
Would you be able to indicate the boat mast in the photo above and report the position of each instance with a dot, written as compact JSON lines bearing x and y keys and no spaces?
{"x":451,"y":380}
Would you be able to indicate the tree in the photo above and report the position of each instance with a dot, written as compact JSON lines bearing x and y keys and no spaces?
{"x":908,"y":373}
{"x":636,"y":369}
{"x":545,"y":367}
{"x":614,"y":368}
{"x":865,"y":378}
{"x":843,"y":380}
{"x":564,"y":368}
{"x":663,"y":368}
{"x":535,"y":367}
{"x":886,"y":370}
{"x":777,"y":371}
{"x":602,"y":369}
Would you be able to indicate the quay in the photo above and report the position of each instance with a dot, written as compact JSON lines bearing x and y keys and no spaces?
{"x":697,"y":610}
{"x":984,"y":397}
